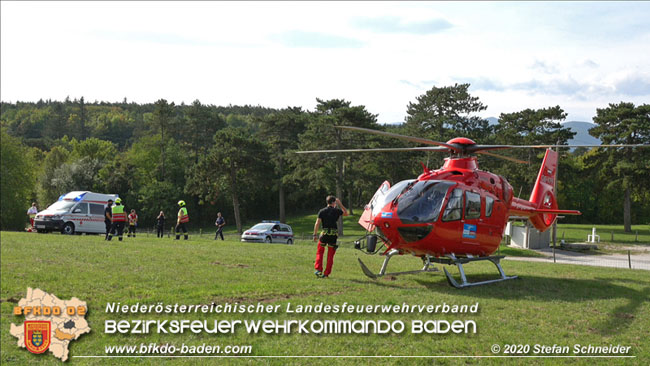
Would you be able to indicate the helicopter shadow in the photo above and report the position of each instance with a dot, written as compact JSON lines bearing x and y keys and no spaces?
{"x":546,"y":289}
{"x":380,"y":283}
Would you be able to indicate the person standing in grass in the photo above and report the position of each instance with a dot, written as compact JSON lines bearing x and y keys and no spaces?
{"x":160,"y":224}
{"x":328,"y":218}
{"x":220,"y":223}
{"x":108,"y":217}
{"x":31,"y":212}
{"x":182,"y":219}
{"x":133,"y":223}
{"x":119,"y":219}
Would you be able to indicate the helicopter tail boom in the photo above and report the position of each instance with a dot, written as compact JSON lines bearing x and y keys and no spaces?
{"x":542,"y":209}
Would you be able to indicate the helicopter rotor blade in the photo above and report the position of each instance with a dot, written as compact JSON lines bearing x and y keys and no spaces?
{"x":387,"y":149}
{"x":502,"y":157}
{"x":402,"y":137}
{"x":477,"y":148}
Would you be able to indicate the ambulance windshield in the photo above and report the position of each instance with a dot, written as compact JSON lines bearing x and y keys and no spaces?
{"x":61,"y":205}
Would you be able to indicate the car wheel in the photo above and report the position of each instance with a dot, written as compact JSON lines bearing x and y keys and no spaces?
{"x":289,"y":241}
{"x":267,"y":239}
{"x":68,"y":228}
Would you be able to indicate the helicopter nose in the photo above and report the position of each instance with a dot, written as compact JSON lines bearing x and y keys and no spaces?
{"x":383,"y":220}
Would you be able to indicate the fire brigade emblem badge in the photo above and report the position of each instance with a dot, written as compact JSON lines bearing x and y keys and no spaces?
{"x":37,"y":335}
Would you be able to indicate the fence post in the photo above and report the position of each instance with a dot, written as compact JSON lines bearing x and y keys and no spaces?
{"x":629,"y":260}
{"x":200,"y":233}
{"x":636,"y":236}
{"x":612,"y":236}
{"x":554,"y":254}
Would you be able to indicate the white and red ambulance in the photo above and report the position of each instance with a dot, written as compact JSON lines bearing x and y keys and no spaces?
{"x":75,"y":212}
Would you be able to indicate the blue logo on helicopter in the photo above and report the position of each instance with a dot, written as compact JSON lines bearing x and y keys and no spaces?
{"x":469,"y":231}
{"x":387,"y":215}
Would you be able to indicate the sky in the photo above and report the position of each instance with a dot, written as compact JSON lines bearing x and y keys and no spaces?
{"x":382,"y":55}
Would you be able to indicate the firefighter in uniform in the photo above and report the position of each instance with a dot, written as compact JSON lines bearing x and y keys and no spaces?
{"x":118,"y":218}
{"x":328,"y":217}
{"x":183,"y":219}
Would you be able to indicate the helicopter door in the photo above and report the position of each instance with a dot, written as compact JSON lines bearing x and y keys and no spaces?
{"x":451,"y":227}
{"x":490,"y":224}
{"x":472,"y":223}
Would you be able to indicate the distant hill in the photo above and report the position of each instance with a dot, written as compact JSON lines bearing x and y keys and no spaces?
{"x":582,"y":136}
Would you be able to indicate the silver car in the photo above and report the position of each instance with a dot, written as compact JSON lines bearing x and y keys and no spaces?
{"x":269,"y":232}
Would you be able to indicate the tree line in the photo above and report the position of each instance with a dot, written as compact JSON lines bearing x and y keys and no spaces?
{"x":241,"y":160}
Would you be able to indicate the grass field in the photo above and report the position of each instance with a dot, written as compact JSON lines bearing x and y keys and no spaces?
{"x":640,"y":234}
{"x":550,"y":304}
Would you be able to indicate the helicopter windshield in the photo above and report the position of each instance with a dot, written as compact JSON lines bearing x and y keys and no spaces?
{"x":422,"y":203}
{"x":392,"y":193}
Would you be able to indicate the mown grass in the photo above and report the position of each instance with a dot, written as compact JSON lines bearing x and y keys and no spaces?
{"x":550,"y":304}
{"x":640,"y":234}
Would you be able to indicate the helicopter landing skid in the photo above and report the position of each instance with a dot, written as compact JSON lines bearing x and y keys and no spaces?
{"x":427,"y":262}
{"x":459,"y":263}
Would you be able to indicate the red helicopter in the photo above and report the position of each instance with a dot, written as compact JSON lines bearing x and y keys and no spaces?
{"x":456,"y":214}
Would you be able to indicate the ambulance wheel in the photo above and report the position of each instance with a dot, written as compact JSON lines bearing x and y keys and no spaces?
{"x":68,"y":228}
{"x":267,"y":239}
{"x":289,"y":241}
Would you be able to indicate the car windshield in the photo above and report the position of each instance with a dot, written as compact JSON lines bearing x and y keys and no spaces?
{"x":61,"y":205}
{"x":262,"y":227}
{"x":423,"y":202}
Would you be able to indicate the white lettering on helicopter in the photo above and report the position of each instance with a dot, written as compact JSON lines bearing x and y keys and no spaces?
{"x":547,"y":180}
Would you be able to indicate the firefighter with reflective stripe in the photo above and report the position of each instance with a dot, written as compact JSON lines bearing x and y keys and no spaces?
{"x":328,"y":217}
{"x":181,"y":222}
{"x":118,"y":219}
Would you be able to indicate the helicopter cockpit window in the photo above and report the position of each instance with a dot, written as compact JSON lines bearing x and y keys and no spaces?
{"x":392,"y":193}
{"x":422,"y":202}
{"x":377,"y":201}
{"x":454,"y":206}
{"x":472,"y":205}
{"x":489,"y":203}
